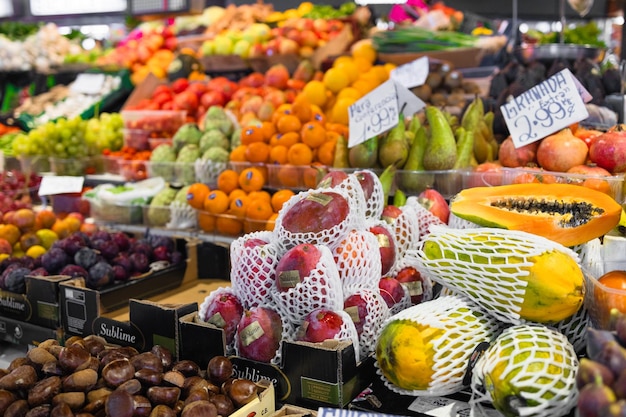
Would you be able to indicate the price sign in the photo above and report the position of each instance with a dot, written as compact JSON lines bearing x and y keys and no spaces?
{"x":53,"y":184}
{"x":88,"y":83}
{"x":411,"y":74}
{"x":379,"y":111}
{"x":546,"y":108}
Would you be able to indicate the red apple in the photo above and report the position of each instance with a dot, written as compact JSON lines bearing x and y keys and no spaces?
{"x":254,"y":242}
{"x":414,"y":282}
{"x":433,"y":201}
{"x":319,"y":325}
{"x":366,"y":179}
{"x":391,"y":290}
{"x":356,"y":307}
{"x":332,"y":179}
{"x":259,"y":333}
{"x":225,"y":311}
{"x":295,"y":265}
{"x":212,"y":98}
{"x":316,"y":212}
{"x":386,"y":246}
{"x":391,"y":213}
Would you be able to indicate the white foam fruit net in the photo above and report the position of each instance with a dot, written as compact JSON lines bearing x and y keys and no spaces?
{"x":356,"y":197}
{"x":215,"y":318}
{"x":253,"y":269}
{"x":591,"y":257}
{"x":329,"y":237}
{"x":406,"y":230}
{"x":423,"y":288}
{"x":425,"y":217}
{"x":358,"y":260}
{"x":376,"y":202}
{"x":404,"y":303}
{"x":321,"y":288}
{"x":456,"y":222}
{"x":575,"y":329}
{"x":207,"y":171}
{"x":382,"y":240}
{"x":537,"y":362}
{"x":463,"y":326}
{"x":182,"y":216}
{"x":377,"y":313}
{"x":488,"y":265}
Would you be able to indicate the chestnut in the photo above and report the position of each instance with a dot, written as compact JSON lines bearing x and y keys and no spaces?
{"x":163,"y":395}
{"x":95,"y":407}
{"x":48,"y":343}
{"x":143,"y":407}
{"x":219,"y":369}
{"x":17,"y":362}
{"x":17,"y":408}
{"x":74,"y":340}
{"x":164,"y":354}
{"x":119,"y":404}
{"x":73,"y":357}
{"x":6,"y":398}
{"x":94,"y":344}
{"x":95,"y":394}
{"x":186,"y":367}
{"x":74,"y":399}
{"x":39,"y":356}
{"x":223,"y":403}
{"x":118,"y":371}
{"x":242,"y":391}
{"x":52,"y":368}
{"x":149,"y":377}
{"x":162,"y":410}
{"x":39,"y":411}
{"x":83,"y":380}
{"x":61,"y":410}
{"x":174,"y":378}
{"x":132,"y":386}
{"x":197,"y":395}
{"x":43,"y":391}
{"x":22,"y":377}
{"x":199,"y":408}
{"x":147,"y":360}
{"x":196,"y":382}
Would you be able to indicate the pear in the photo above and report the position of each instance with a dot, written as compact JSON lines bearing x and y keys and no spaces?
{"x":440,"y":153}
{"x":365,"y":154}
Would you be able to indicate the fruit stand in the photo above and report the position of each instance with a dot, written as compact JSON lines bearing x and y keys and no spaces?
{"x":246,"y":209}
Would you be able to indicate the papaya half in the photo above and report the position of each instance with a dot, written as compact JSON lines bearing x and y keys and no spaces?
{"x":565,"y":213}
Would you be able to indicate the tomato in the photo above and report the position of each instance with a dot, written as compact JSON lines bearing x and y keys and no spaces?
{"x":611,"y":294}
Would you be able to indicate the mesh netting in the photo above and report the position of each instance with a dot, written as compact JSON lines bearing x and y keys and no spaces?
{"x":329,"y":237}
{"x":456,"y":222}
{"x":182,"y":216}
{"x":406,"y":230}
{"x":253,"y":269}
{"x":207,"y":313}
{"x":356,"y":198}
{"x":358,"y":260}
{"x":405,"y":302}
{"x":384,"y":242}
{"x":425,"y":217}
{"x":207,"y":171}
{"x":476,"y":259}
{"x":321,"y":288}
{"x":376,"y":202}
{"x":530,"y":368}
{"x":462,"y":327}
{"x":377,"y":313}
{"x":575,"y":329}
{"x":418,"y":291}
{"x":346,"y":332}
{"x":591,"y":256}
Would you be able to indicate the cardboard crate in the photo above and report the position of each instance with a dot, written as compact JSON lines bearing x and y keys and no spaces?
{"x":39,"y":305}
{"x":329,"y":376}
{"x":293,"y":411}
{"x":19,"y":332}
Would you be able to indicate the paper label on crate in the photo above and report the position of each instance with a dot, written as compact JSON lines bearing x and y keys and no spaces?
{"x":546,"y":108}
{"x":445,"y":407}
{"x":411,"y":74}
{"x":88,"y":83}
{"x":53,"y":184}
{"x":379,"y":111}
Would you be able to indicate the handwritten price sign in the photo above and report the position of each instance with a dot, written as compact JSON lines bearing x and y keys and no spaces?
{"x":546,"y":108}
{"x":379,"y":111}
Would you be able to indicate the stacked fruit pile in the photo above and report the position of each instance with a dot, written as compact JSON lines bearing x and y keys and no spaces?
{"x":17,"y":190}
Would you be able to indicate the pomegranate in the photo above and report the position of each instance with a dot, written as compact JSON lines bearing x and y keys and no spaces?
{"x":588,"y":170}
{"x":561,"y":151}
{"x":608,"y":150}
{"x":512,"y":157}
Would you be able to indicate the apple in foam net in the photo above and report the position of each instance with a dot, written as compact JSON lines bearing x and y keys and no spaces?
{"x":319,"y":325}
{"x":295,"y":265}
{"x":366,"y":180}
{"x":433,"y":201}
{"x":225,"y":311}
{"x":332,"y":179}
{"x":391,"y":290}
{"x":356,"y":307}
{"x":391,"y":213}
{"x":259,"y":333}
{"x":414,"y":282}
{"x":386,"y":246}
{"x":316,"y":212}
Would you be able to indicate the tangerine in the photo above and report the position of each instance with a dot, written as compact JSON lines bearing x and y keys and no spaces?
{"x":238,"y":154}
{"x":259,"y":209}
{"x":282,"y":110}
{"x":278,"y":155}
{"x":252,"y":133}
{"x":228,"y":225}
{"x":258,"y":152}
{"x":289,"y":176}
{"x":206,"y":221}
{"x":260,"y":195}
{"x":326,"y":152}
{"x":237,"y":193}
{"x":313,"y":134}
{"x":285,"y":139}
{"x":251,"y":179}
{"x":302,"y":109}
{"x":300,"y":154}
{"x":196,"y":194}
{"x":238,"y":206}
{"x":269,"y":129}
{"x":280,"y":197}
{"x":228,"y":180}
{"x":288,"y":123}
{"x":10,"y":232}
{"x":271,"y":222}
{"x":216,"y":202}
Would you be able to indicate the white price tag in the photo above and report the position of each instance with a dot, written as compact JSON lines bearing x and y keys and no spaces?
{"x":546,"y":108}
{"x":445,"y":407}
{"x":88,"y":83}
{"x":53,"y":184}
{"x":379,"y":110}
{"x":411,"y":74}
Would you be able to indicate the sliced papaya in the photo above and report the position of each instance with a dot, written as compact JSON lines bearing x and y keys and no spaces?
{"x":566,"y":213}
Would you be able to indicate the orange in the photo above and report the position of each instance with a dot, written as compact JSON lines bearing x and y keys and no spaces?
{"x":206,"y":221}
{"x":335,"y":80}
{"x":271,"y":222}
{"x":237,"y":193}
{"x":335,"y":129}
{"x":259,"y":209}
{"x":228,"y":180}
{"x":364,"y":50}
{"x":228,"y":225}
{"x":278,"y":155}
{"x":238,"y":206}
{"x":11,"y":233}
{"x":196,"y":194}
{"x":300,"y":154}
{"x":289,"y":176}
{"x":216,"y":202}
{"x":302,"y":109}
{"x":251,"y":134}
{"x":313,"y":134}
{"x":279,"y":198}
{"x":269,"y":129}
{"x":258,"y":152}
{"x":285,"y":139}
{"x":45,"y":219}
{"x":326,"y":152}
{"x":61,"y":228}
{"x":315,"y":92}
{"x":238,"y":154}
{"x":251,"y":179}
{"x":288,"y":123}
{"x":282,"y":110}
{"x":318,"y":116}
{"x":260,"y":195}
